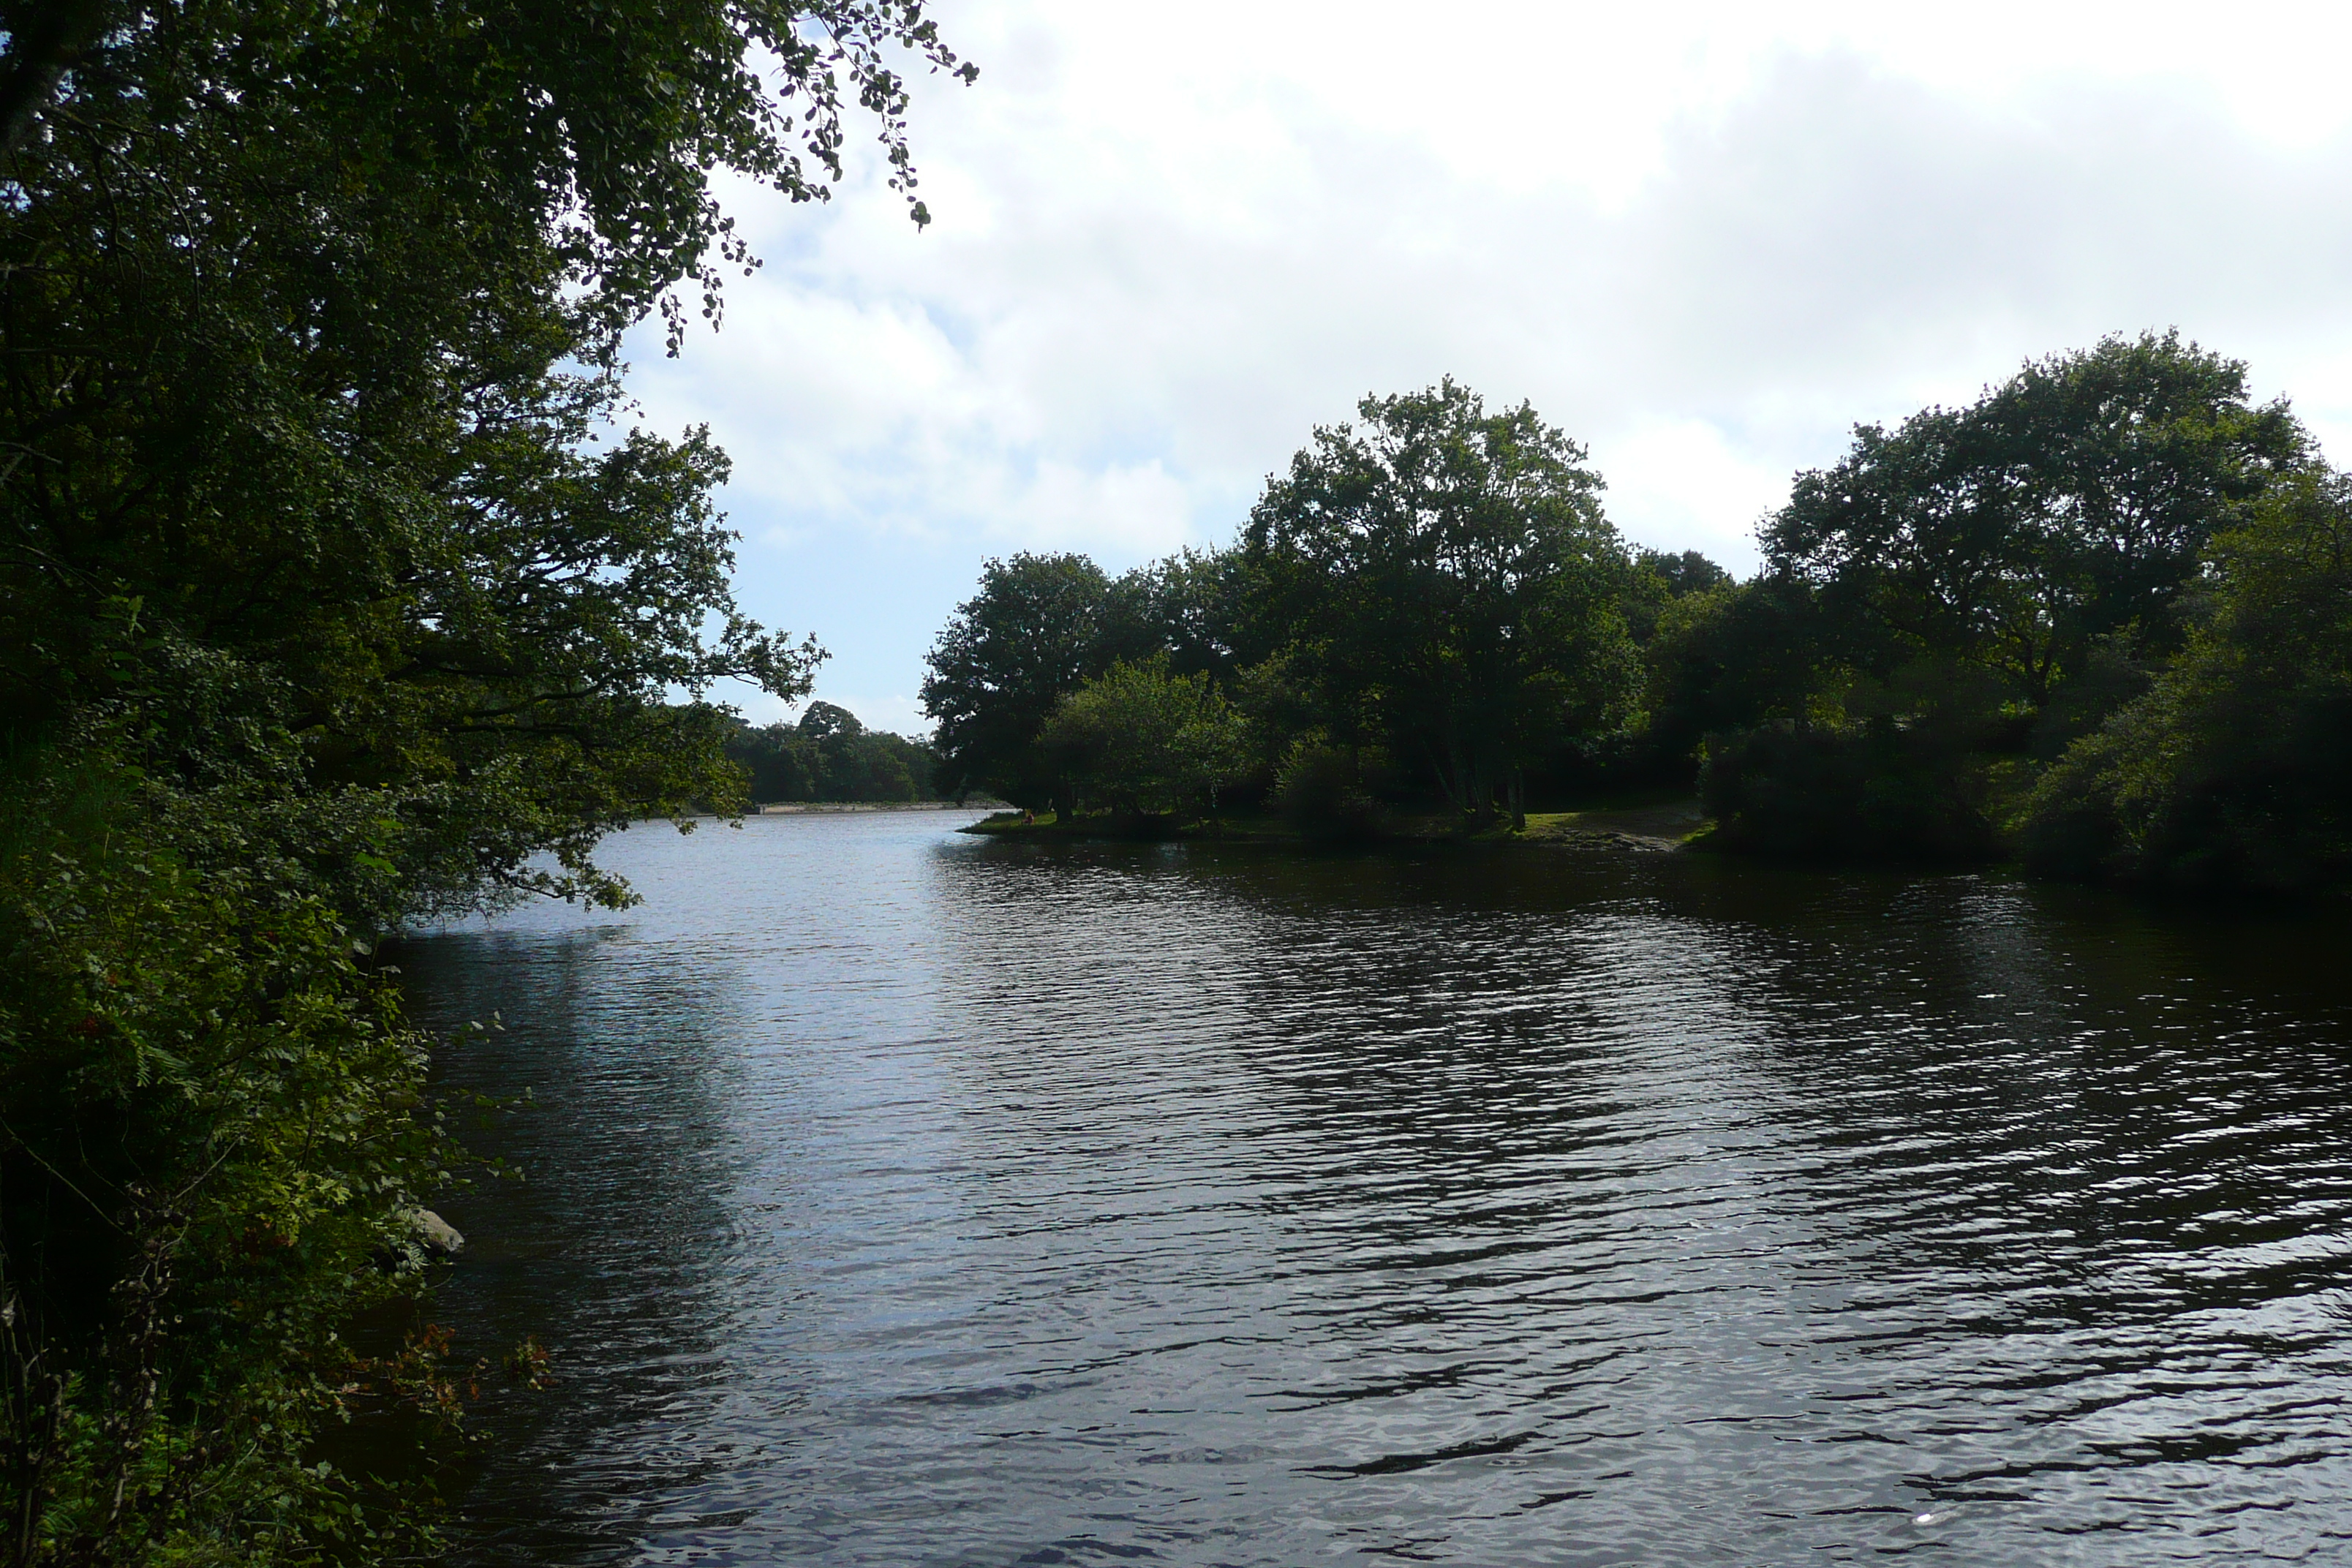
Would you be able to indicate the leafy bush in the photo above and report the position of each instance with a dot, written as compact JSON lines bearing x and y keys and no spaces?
{"x":1145,"y":741}
{"x":1880,"y":789}
{"x":1322,"y":790}
{"x":2232,"y":772}
{"x":208,"y":1108}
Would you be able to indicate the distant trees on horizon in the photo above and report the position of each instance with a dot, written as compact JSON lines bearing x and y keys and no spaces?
{"x":828,"y":754}
{"x":2098,"y":620}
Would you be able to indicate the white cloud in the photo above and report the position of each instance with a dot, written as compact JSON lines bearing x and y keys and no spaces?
{"x":1134,"y":511}
{"x":1704,"y":239}
{"x":1691,"y":487}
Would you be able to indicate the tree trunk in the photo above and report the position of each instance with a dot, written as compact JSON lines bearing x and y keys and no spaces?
{"x":1449,"y":771}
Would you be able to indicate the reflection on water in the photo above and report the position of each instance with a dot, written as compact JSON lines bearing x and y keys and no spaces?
{"x":900,"y":1199}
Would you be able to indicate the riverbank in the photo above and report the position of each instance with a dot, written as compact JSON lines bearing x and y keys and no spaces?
{"x":1648,"y":826}
{"x":799,"y":807}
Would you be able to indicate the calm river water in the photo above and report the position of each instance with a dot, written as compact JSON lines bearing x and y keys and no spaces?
{"x":900,"y":1199}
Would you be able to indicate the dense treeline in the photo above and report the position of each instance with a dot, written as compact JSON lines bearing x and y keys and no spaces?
{"x":1428,"y":605}
{"x":2096,"y":620}
{"x":828,"y":754}
{"x":330,"y":596}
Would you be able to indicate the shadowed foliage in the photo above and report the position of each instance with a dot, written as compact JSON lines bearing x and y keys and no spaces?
{"x":333,"y":592}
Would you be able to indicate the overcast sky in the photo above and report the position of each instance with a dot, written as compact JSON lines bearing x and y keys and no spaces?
{"x":1168,"y":241}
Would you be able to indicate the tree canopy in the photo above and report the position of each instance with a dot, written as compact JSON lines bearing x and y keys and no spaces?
{"x":829,"y":755}
{"x":1149,"y":741}
{"x":313,"y":316}
{"x":2095,"y":618}
{"x":1450,"y":584}
{"x":1979,"y":587}
{"x":2072,"y":501}
{"x":334,"y":590}
{"x":2229,"y":772}
{"x":1438,"y":587}
{"x":1027,"y":639}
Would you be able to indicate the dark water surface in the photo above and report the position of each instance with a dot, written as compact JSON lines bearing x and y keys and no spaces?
{"x":900,"y":1199}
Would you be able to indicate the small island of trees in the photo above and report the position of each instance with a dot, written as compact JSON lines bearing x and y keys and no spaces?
{"x":2095,"y":622}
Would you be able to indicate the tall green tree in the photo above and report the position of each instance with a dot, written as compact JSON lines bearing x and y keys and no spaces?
{"x":1660,"y":580}
{"x":2229,"y":772}
{"x":313,"y":315}
{"x":332,"y":589}
{"x":1986,"y":583}
{"x":2069,"y":503}
{"x":1729,"y":657}
{"x":1183,"y":607}
{"x":1448,"y":578}
{"x":1032,"y":635}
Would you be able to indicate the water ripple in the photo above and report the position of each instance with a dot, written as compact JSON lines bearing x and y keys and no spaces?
{"x":896,"y":1199}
